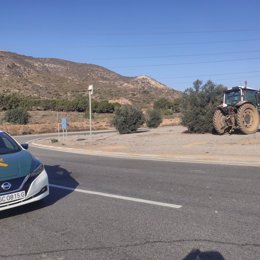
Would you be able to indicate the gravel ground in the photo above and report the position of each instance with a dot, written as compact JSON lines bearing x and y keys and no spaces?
{"x":170,"y":143}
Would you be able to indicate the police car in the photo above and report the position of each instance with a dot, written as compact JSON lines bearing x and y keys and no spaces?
{"x":23,"y":178}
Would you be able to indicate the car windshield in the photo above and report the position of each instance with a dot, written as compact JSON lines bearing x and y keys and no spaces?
{"x":7,"y":144}
{"x":231,"y":98}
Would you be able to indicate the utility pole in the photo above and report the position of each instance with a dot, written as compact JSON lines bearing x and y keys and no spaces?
{"x":90,"y":93}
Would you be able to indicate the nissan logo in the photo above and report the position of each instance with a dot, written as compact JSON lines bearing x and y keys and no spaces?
{"x":6,"y":186}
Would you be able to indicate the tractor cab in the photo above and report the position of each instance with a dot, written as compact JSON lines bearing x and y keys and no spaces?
{"x":238,"y":95}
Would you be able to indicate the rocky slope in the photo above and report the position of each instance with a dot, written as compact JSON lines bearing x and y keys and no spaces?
{"x":55,"y":78}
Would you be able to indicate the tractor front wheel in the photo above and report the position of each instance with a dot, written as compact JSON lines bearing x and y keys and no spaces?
{"x":248,"y":119}
{"x":219,"y":122}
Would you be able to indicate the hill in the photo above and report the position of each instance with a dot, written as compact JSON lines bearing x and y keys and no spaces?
{"x":56,"y":78}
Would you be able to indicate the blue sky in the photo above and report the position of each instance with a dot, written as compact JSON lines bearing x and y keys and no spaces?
{"x":175,"y":42}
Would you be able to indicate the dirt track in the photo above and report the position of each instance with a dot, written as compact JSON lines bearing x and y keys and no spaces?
{"x":171,"y":142}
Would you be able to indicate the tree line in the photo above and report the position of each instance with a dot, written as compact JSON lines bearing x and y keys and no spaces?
{"x":196,"y":107}
{"x":79,"y":104}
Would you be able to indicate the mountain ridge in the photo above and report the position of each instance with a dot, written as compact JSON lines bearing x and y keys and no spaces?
{"x":56,"y":78}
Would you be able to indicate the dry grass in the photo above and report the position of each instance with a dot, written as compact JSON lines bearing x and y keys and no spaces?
{"x":47,"y":122}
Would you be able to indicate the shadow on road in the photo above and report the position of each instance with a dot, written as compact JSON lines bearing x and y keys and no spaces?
{"x":196,"y":254}
{"x":57,"y":175}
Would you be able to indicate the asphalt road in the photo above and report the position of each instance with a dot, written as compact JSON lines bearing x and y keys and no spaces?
{"x":208,"y":212}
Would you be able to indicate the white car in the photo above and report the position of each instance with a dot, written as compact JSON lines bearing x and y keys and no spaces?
{"x":23,"y":178}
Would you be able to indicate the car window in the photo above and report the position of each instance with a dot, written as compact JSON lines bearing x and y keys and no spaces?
{"x":8,"y":145}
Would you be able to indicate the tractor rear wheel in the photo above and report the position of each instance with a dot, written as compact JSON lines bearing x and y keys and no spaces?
{"x":219,"y":122}
{"x":248,"y":119}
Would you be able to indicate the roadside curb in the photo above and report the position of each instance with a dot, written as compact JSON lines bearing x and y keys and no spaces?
{"x":148,"y":157}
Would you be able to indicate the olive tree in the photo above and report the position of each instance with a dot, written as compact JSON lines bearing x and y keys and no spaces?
{"x":198,"y":105}
{"x":127,"y":119}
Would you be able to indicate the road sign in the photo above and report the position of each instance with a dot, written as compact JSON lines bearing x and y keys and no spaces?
{"x":64,"y":123}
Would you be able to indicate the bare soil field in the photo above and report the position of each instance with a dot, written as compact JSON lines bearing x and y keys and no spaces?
{"x":47,"y":122}
{"x":169,"y":142}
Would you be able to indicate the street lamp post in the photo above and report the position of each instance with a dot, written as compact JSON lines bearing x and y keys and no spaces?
{"x":90,"y":93}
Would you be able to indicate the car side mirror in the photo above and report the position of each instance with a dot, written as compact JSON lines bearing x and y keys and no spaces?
{"x":25,"y":146}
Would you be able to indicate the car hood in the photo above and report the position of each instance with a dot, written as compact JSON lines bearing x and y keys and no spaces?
{"x":15,"y":165}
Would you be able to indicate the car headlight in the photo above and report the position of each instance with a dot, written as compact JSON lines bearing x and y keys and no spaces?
{"x":37,"y":171}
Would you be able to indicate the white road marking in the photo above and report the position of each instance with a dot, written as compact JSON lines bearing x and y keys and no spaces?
{"x":118,"y":197}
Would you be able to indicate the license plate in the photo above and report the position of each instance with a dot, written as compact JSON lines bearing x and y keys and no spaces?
{"x":12,"y":197}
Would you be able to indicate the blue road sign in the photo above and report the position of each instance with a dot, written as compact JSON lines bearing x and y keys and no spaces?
{"x":64,"y":123}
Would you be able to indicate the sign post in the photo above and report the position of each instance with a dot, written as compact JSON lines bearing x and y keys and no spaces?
{"x":64,"y":126}
{"x":58,"y":125}
{"x":90,"y":93}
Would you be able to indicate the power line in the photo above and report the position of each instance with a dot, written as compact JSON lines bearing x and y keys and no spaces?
{"x":178,"y":55}
{"x":170,"y":32}
{"x":232,"y":78}
{"x":215,"y":74}
{"x":169,"y":44}
{"x":186,"y":63}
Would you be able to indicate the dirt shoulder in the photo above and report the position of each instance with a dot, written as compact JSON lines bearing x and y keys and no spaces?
{"x":169,"y":143}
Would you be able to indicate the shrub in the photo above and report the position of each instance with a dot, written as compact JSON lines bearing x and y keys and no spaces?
{"x":17,"y":116}
{"x":162,"y":104}
{"x":167,"y":112}
{"x":127,"y":119}
{"x":82,"y":103}
{"x":176,"y":104}
{"x":199,"y":104}
{"x":153,"y":118}
{"x":105,"y":107}
{"x":166,"y":106}
{"x":116,"y":105}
